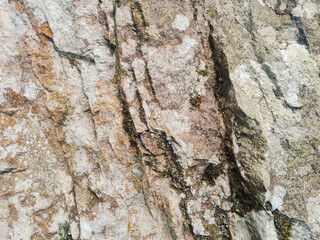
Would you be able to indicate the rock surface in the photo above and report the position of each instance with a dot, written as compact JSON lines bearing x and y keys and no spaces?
{"x":160,"y":119}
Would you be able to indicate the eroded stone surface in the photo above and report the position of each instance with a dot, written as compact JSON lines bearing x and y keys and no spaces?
{"x":159,"y":119}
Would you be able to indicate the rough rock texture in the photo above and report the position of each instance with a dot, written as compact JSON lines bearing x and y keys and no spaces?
{"x":160,"y":119}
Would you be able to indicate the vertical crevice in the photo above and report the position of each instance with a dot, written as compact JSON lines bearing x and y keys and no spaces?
{"x":244,"y":193}
{"x":302,"y":38}
{"x":142,"y":113}
{"x":139,"y":24}
{"x":128,"y":124}
{"x":173,"y":169}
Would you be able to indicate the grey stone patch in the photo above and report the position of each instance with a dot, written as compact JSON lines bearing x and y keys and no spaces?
{"x":181,"y":22}
{"x":301,"y":231}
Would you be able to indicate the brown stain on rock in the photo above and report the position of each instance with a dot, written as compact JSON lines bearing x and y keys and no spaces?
{"x":45,"y":30}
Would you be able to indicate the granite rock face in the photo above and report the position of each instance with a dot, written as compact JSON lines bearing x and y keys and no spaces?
{"x":160,"y":119}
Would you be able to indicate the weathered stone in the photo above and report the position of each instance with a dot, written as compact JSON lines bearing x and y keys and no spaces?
{"x":152,"y":119}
